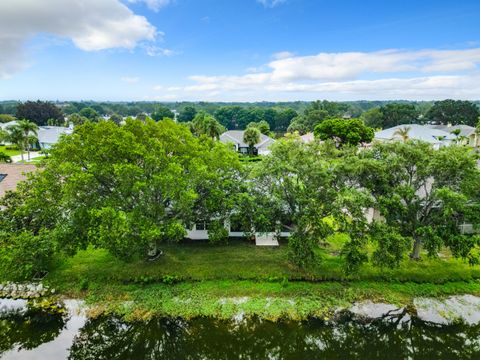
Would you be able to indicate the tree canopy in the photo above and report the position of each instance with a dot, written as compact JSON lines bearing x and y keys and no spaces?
{"x":38,"y":112}
{"x":344,"y":131}
{"x":453,"y":112}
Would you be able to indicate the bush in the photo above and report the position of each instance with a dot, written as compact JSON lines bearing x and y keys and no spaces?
{"x":24,"y":254}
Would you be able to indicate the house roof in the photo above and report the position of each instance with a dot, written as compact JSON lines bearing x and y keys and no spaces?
{"x":465,"y":130}
{"x":7,"y":124}
{"x":236,"y":137}
{"x":51,"y":134}
{"x":308,"y":137}
{"x":417,"y":132}
{"x":15,"y":173}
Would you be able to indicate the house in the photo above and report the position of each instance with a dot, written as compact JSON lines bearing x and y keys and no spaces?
{"x":436,"y":137}
{"x":12,"y":174}
{"x":467,"y":135}
{"x":49,"y":135}
{"x":5,"y":126}
{"x":308,"y":138}
{"x":235,"y":137}
{"x":199,"y":231}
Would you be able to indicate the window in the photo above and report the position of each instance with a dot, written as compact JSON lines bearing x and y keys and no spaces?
{"x":2,"y":176}
{"x":202,"y":225}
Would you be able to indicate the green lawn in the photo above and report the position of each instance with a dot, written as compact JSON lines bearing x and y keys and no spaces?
{"x":9,"y":150}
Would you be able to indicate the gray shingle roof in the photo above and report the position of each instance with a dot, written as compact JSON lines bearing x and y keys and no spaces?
{"x":465,"y":130}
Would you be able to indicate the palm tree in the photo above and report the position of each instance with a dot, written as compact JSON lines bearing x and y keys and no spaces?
{"x":213,"y":128}
{"x":3,"y":135}
{"x":16,"y":137}
{"x":29,"y":130}
{"x":403,"y":133}
{"x":251,"y":136}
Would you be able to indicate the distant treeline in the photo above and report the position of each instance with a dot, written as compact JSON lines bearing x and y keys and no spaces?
{"x":298,"y":116}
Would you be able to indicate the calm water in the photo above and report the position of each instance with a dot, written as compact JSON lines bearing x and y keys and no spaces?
{"x":30,"y":334}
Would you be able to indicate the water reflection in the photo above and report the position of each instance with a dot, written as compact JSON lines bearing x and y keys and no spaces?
{"x":34,"y":334}
{"x":109,"y":338}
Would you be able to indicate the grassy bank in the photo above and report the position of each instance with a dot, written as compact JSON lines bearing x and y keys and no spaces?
{"x":197,"y":279}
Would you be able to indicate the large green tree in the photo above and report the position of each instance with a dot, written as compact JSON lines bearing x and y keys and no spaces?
{"x":453,"y":112}
{"x":39,"y":112}
{"x":397,"y":114}
{"x":251,"y":137}
{"x":344,"y":131}
{"x":162,"y":112}
{"x":423,"y":195}
{"x":124,"y":189}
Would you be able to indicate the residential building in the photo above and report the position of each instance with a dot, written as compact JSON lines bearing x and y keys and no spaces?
{"x":467,"y":135}
{"x":436,"y":137}
{"x":235,"y":137}
{"x":49,"y":135}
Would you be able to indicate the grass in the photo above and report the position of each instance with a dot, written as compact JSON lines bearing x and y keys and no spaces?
{"x":10,"y":150}
{"x":196,"y":279}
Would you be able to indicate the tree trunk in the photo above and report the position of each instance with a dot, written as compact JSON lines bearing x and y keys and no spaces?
{"x":417,"y":245}
{"x":23,"y":160}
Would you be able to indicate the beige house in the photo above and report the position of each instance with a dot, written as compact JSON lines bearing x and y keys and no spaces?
{"x":467,"y":135}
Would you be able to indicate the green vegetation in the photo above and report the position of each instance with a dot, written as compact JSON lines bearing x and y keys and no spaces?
{"x":196,"y":279}
{"x":9,"y":150}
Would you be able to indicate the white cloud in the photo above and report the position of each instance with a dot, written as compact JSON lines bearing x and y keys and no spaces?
{"x":283,"y":55}
{"x":154,"y":5}
{"x":387,"y":74}
{"x":158,"y":88}
{"x":153,"y":50}
{"x":271,"y":3}
{"x":130,"y":79}
{"x":91,"y":25}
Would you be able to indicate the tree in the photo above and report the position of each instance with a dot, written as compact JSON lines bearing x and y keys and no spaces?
{"x":205,"y":124}
{"x":373,"y":118}
{"x":403,"y":132}
{"x":187,"y":114}
{"x":423,"y":195}
{"x":23,"y":135}
{"x":351,"y":131}
{"x":139,"y":187}
{"x":89,"y":113}
{"x":251,"y":137}
{"x":38,"y":112}
{"x":77,"y":119}
{"x":453,"y":112}
{"x":262,"y":126}
{"x":117,"y":119}
{"x":162,"y":112}
{"x":398,"y":114}
{"x":4,"y":158}
{"x":4,"y":118}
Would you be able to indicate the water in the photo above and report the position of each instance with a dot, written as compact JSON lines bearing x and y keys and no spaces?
{"x":36,"y":334}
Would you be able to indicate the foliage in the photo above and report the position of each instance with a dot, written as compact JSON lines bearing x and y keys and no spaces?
{"x":343,"y":131}
{"x":5,"y":118}
{"x":38,"y":112}
{"x":187,"y":114}
{"x":4,"y":158}
{"x":373,"y":118}
{"x":162,"y":112}
{"x":251,"y":137}
{"x":24,"y":254}
{"x":123,"y":188}
{"x":397,"y":114}
{"x":23,"y":135}
{"x":262,"y":126}
{"x":453,"y":112}
{"x":89,"y":113}
{"x":204,"y":124}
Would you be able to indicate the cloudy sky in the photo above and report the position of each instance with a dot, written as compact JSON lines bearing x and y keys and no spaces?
{"x":239,"y":50}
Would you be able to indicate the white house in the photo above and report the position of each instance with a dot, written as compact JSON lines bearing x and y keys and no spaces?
{"x":49,"y":135}
{"x":199,"y":231}
{"x":436,"y":137}
{"x":235,"y":137}
{"x":467,"y":134}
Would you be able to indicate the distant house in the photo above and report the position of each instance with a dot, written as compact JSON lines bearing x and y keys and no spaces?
{"x":307,"y":138}
{"x":467,"y":134}
{"x":5,"y":126}
{"x":49,"y":135}
{"x":235,"y":137}
{"x":12,"y":174}
{"x":436,"y":137}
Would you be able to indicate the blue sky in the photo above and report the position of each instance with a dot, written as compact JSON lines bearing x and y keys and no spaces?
{"x":239,"y":50}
